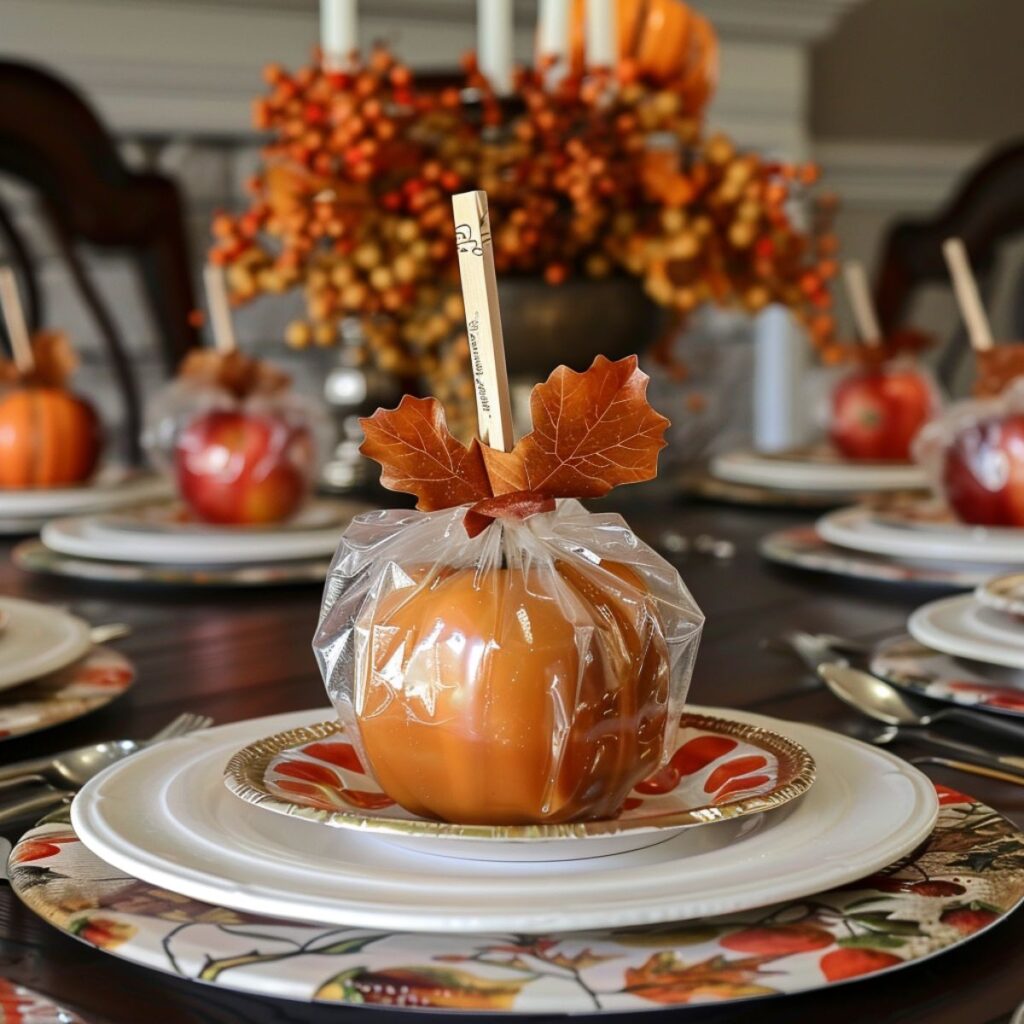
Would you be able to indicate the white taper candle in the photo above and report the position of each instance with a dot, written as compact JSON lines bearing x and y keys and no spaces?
{"x":553,"y":29}
{"x":602,"y":44}
{"x":339,"y":32}
{"x":494,"y":42}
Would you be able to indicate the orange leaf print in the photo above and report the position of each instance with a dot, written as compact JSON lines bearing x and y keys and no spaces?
{"x":666,"y":979}
{"x":438,"y":988}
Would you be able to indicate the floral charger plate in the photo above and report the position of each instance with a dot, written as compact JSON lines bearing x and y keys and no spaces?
{"x":20,"y":1005}
{"x":966,"y":877}
{"x":802,"y":547}
{"x":78,"y":689}
{"x":905,"y":662}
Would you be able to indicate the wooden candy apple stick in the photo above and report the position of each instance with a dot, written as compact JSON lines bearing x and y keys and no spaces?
{"x":483,"y":319}
{"x":14,"y":318}
{"x":220,"y":309}
{"x":967,"y":296}
{"x":864,"y":315}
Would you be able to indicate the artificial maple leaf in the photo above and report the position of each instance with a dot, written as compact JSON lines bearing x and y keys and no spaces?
{"x":419,"y":455}
{"x":591,"y":431}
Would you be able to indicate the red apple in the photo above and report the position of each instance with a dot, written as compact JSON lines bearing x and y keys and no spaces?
{"x":242,"y":467}
{"x":983,"y":472}
{"x":876,"y":413}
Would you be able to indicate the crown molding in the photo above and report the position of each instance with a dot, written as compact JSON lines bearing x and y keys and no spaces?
{"x":884,"y":175}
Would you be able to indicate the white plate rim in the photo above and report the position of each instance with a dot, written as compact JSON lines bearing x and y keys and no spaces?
{"x":73,"y":642}
{"x":779,"y":473}
{"x":928,"y":625}
{"x":624,"y":910}
{"x":70,"y":536}
{"x":856,"y":528}
{"x":99,"y":495}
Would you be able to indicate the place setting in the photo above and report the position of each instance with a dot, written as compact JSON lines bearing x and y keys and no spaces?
{"x":872,"y":414}
{"x":55,"y":667}
{"x":968,"y":528}
{"x":240,"y":453}
{"x":51,"y":446}
{"x":507,"y":674}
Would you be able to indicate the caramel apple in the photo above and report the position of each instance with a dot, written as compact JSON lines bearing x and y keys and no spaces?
{"x":502,"y":656}
{"x":512,"y":696}
{"x":49,"y":436}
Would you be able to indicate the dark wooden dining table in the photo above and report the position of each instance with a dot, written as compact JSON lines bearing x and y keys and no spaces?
{"x":236,"y":654}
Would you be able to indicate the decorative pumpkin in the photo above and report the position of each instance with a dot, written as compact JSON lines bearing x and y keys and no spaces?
{"x":513,"y":696}
{"x":48,"y":438}
{"x":664,"y":40}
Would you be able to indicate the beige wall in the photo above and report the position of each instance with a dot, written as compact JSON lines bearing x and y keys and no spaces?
{"x":921,"y":70}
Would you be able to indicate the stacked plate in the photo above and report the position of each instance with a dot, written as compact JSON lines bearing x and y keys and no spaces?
{"x":967,"y":649}
{"x":301,"y":878}
{"x":26,"y":511}
{"x":817,"y":476}
{"x":50,"y":669}
{"x":160,"y":544}
{"x":908,"y":541}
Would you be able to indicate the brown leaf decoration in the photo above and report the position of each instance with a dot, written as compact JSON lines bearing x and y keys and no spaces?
{"x":53,"y":362}
{"x":420,"y":456}
{"x":591,"y":432}
{"x":236,"y":373}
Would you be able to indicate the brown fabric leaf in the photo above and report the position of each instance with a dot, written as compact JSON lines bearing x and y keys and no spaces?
{"x":419,"y":455}
{"x":236,"y":373}
{"x":591,"y":432}
{"x":515,"y":505}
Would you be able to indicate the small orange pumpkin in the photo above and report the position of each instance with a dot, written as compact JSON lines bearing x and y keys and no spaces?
{"x":48,"y":438}
{"x":665,"y":40}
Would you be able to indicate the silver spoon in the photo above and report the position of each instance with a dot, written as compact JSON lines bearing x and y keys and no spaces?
{"x":885,"y":703}
{"x":1003,"y":763}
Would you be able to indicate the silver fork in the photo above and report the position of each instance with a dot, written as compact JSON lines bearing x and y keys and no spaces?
{"x":62,"y":775}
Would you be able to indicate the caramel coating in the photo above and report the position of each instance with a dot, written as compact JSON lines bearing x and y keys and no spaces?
{"x":483,"y":698}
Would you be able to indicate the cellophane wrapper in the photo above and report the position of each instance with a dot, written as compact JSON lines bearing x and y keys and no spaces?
{"x":985,"y":447}
{"x":299,"y":432}
{"x":531,"y":674}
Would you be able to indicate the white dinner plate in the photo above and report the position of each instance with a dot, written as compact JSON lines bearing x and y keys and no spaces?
{"x":155,"y":536}
{"x":165,"y":816}
{"x":817,"y":471}
{"x":861,"y":529}
{"x":37,"y":639}
{"x":112,"y":488}
{"x":965,"y":629}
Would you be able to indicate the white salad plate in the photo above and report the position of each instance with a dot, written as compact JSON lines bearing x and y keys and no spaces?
{"x":37,"y":639}
{"x":158,"y":535}
{"x":814,"y":470}
{"x":963,"y":628}
{"x":166,"y":817}
{"x":862,"y":529}
{"x":112,"y":488}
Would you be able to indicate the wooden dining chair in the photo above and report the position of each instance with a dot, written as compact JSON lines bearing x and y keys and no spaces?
{"x":986,"y":211}
{"x":52,"y":142}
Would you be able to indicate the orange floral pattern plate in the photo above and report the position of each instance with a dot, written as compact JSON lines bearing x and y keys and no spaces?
{"x":966,"y":877}
{"x":20,"y":1005}
{"x":85,"y":686}
{"x":719,"y":769}
{"x":905,"y":662}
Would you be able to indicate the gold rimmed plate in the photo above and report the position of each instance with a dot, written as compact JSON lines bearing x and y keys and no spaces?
{"x":719,"y":770}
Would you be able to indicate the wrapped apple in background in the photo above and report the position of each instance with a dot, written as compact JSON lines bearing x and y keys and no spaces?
{"x":877,"y":409}
{"x":243,"y":448}
{"x":505,"y":656}
{"x":49,"y":436}
{"x":974,"y":454}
